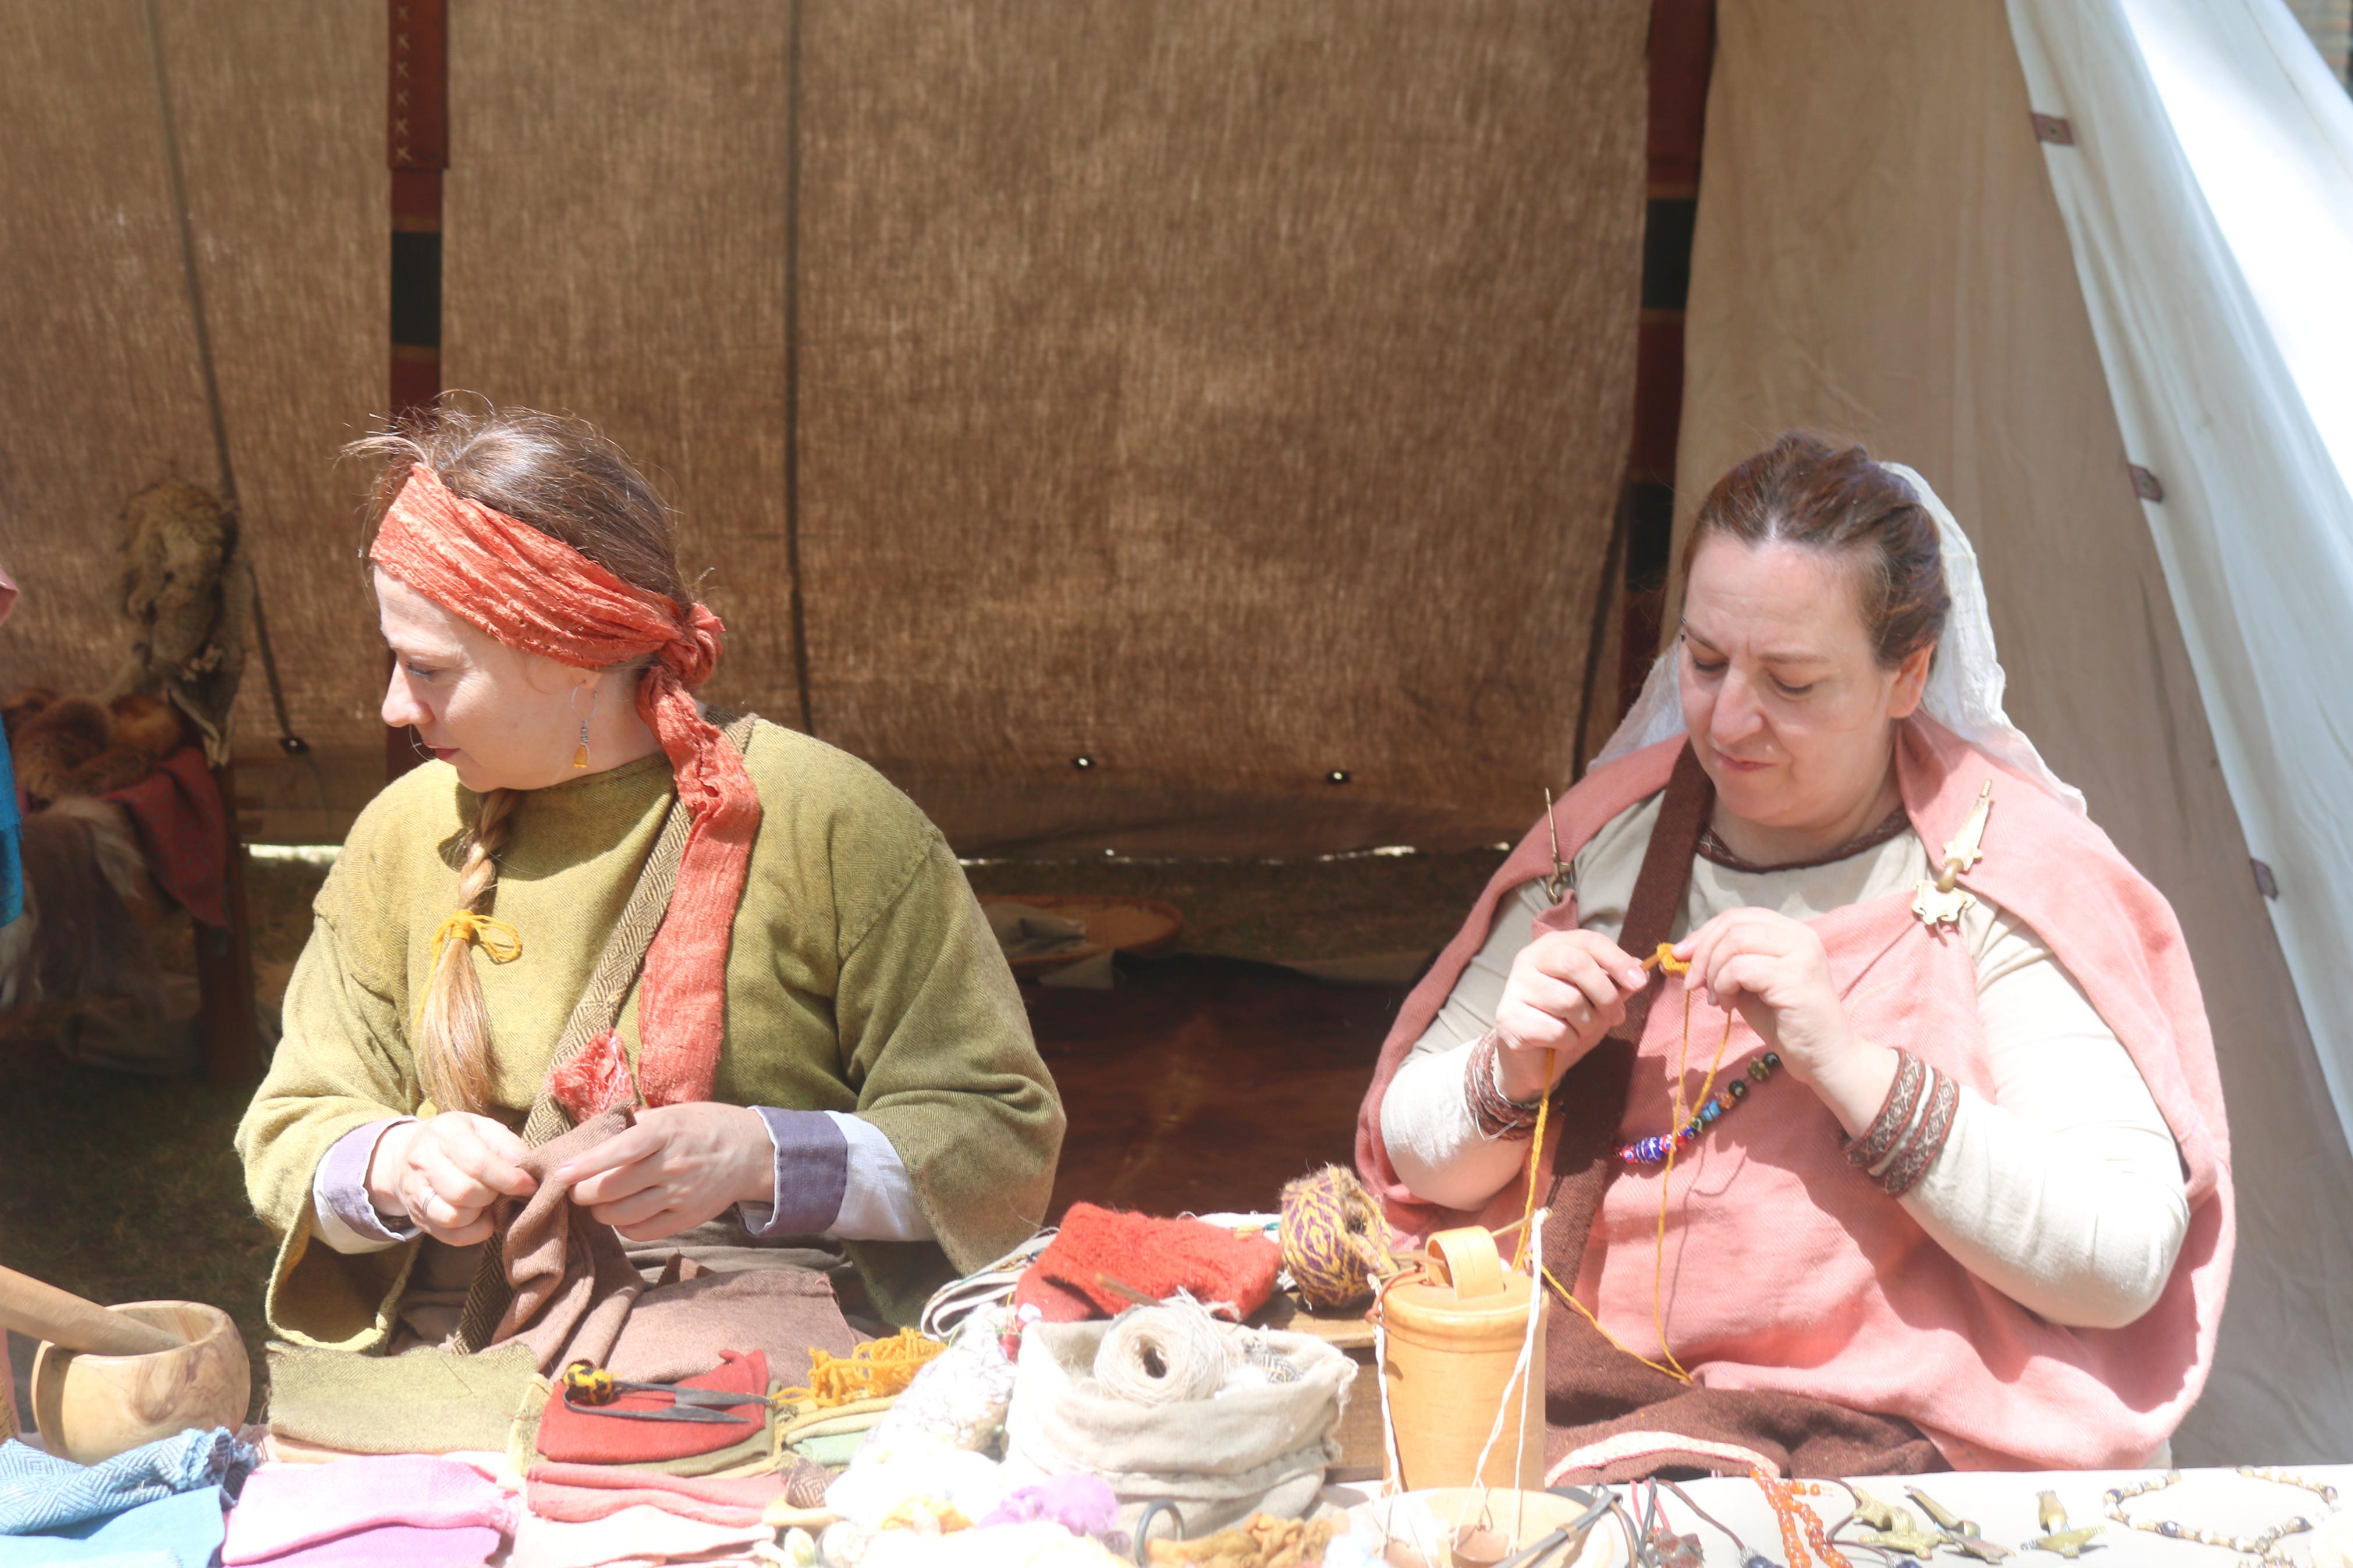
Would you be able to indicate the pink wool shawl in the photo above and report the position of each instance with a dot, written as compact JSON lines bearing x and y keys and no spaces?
{"x":1786,"y":1269}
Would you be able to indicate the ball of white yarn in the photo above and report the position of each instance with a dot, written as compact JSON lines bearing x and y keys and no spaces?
{"x":1159,"y":1355}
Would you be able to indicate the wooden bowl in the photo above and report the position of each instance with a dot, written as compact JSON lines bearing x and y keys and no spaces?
{"x":92,"y":1408}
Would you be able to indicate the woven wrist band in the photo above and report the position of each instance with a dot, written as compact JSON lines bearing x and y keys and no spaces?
{"x":1491,"y":1112}
{"x":1927,"y":1141}
{"x":1894,"y":1115}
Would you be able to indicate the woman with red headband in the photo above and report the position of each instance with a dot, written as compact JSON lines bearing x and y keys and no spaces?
{"x":829,"y":1056}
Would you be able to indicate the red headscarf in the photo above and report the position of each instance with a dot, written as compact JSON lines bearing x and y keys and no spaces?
{"x":538,"y":594}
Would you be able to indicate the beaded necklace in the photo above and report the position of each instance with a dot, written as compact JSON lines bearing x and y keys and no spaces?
{"x":1802,"y":1527}
{"x":2258,"y":1547}
{"x":1713,"y":1104}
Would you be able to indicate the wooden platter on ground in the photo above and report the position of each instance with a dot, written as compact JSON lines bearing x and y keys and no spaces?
{"x":1143,"y":927}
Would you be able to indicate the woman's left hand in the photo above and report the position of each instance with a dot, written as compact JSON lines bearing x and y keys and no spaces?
{"x":679,"y":1166}
{"x":1775,"y":971}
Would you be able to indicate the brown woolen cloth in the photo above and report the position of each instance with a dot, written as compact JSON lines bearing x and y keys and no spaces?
{"x":577,"y":1296}
{"x":1593,"y":1390}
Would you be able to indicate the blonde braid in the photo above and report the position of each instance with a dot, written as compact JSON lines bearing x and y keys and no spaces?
{"x":453,"y":1028}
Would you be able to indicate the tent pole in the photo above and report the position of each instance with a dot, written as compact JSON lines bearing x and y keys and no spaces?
{"x":417,"y":147}
{"x":1682,"y":50}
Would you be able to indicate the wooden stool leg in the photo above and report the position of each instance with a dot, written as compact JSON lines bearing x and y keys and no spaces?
{"x":224,"y":965}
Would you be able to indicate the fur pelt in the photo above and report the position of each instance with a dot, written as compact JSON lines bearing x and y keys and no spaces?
{"x":67,"y":746}
{"x":188,"y":597}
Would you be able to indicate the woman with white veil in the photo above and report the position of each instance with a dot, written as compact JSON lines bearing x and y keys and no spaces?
{"x":1911,"y":1153}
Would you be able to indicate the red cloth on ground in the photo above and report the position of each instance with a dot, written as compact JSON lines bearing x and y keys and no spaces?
{"x":183,"y":831}
{"x":578,"y":1493}
{"x":573,"y":1437}
{"x":1231,"y":1275}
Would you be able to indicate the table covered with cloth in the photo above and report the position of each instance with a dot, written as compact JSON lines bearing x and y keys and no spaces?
{"x":2006,"y":1510}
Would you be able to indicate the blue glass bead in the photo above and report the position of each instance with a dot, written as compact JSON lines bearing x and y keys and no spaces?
{"x":2168,"y":1528}
{"x":1710,"y":1111}
{"x":1738,"y":1089}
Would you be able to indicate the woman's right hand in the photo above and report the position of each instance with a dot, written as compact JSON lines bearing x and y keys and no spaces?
{"x":445,"y":1173}
{"x":1567,"y":989}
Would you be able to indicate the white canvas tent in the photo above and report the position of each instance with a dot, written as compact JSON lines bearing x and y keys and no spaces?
{"x":1893,"y":254}
{"x":1239,"y":396}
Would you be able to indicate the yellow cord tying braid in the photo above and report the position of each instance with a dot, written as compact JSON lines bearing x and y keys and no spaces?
{"x":498,"y":940}
{"x":1665,"y":961}
{"x":875,"y":1370}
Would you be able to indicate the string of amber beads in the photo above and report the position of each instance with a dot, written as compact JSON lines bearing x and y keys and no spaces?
{"x":1653,"y":1150}
{"x":1802,"y":1527}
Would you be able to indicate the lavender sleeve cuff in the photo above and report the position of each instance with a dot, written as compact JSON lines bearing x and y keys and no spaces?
{"x":347,"y":1218}
{"x":812,"y":1175}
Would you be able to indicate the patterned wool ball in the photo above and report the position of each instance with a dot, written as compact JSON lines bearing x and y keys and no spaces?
{"x":1335,"y":1241}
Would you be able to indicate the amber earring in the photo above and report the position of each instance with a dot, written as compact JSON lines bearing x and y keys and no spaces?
{"x":580,"y":756}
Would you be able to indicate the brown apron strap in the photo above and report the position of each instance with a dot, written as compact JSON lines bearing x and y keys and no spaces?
{"x":1664,"y":881}
{"x":596,"y":1012}
{"x":1591,"y":1101}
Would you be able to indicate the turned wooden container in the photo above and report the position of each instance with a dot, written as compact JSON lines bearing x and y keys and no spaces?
{"x":92,"y":1408}
{"x":1453,"y":1338}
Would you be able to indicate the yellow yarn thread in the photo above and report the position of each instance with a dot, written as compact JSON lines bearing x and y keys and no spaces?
{"x":877,"y":1369}
{"x":1666,"y":961}
{"x":501,"y":942}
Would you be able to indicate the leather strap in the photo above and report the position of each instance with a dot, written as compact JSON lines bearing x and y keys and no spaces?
{"x":1664,"y":883}
{"x":599,"y":1006}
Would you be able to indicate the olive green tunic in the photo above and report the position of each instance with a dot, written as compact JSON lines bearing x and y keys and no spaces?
{"x":862,"y":978}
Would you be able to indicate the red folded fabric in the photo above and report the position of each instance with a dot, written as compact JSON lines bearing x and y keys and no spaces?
{"x":575,"y":1494}
{"x":183,"y":831}
{"x":573,"y":1437}
{"x":1231,"y":1275}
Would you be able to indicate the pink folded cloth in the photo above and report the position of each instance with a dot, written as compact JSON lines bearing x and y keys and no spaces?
{"x":397,"y":1546}
{"x":632,"y":1536}
{"x":577,"y":1493}
{"x":287,"y":1507}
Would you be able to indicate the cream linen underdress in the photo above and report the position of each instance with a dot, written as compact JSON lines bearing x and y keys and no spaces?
{"x":2064,"y":1191}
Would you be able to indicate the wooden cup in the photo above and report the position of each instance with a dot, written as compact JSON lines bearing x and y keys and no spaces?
{"x":92,"y":1408}
{"x":1454,"y":1338}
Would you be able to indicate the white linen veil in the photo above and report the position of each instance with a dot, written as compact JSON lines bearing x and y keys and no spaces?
{"x":1965,"y":681}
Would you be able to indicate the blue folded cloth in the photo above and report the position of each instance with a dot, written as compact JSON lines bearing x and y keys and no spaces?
{"x":41,"y":1493}
{"x":12,"y":864}
{"x":182,"y":1531}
